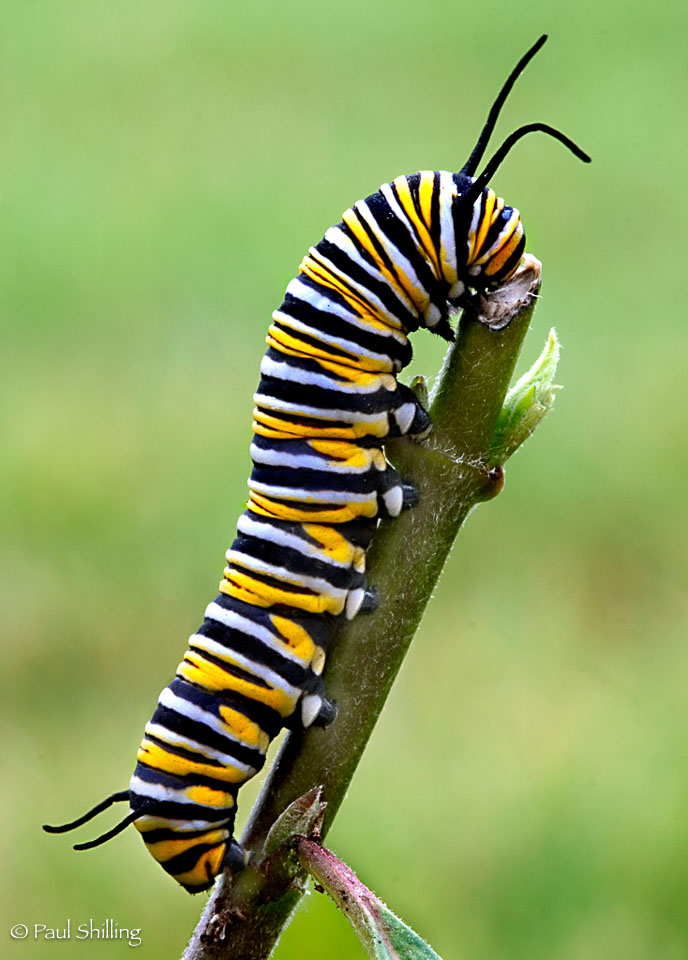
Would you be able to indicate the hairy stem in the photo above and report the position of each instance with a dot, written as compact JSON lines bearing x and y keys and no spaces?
{"x":455,"y":469}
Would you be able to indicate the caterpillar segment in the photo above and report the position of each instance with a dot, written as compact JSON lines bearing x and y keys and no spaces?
{"x":404,"y":258}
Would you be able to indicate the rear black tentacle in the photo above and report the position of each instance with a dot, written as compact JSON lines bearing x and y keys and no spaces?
{"x":118,"y":797}
{"x":108,"y":835}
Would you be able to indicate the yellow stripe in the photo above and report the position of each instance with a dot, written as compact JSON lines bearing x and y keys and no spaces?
{"x":209,"y":797}
{"x":360,"y":377}
{"x":279,"y":511}
{"x":164,"y":850}
{"x":359,"y":304}
{"x":374,"y":317}
{"x":484,"y":224}
{"x":497,"y":261}
{"x":399,"y":280}
{"x":334,"y":544}
{"x":290,"y":339}
{"x":242,"y":586}
{"x":208,"y":866}
{"x":426,"y":190}
{"x":341,"y":454}
{"x":506,"y":232}
{"x":290,"y":344}
{"x":155,"y":756}
{"x":296,"y":638}
{"x":244,"y":729}
{"x":406,"y":200}
{"x":210,"y":676}
{"x":364,"y":428}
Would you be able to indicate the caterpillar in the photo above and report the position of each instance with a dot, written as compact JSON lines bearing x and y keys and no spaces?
{"x":404,"y":258}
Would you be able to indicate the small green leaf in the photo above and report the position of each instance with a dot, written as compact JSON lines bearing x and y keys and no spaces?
{"x":419,"y":385}
{"x":527,"y":403}
{"x":383,"y":935}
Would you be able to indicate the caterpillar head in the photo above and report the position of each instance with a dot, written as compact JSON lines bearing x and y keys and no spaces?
{"x":496,"y":238}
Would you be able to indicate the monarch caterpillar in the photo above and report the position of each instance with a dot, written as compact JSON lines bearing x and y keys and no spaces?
{"x":328,"y":399}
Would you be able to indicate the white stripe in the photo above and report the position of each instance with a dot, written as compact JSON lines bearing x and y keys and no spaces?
{"x":320,"y":413}
{"x":339,"y":239}
{"x":504,"y":234}
{"x":303,"y":291}
{"x":199,"y":642}
{"x":184,"y":826}
{"x":159,"y":792}
{"x":475,"y":221}
{"x":432,"y":316}
{"x":294,"y":374}
{"x":391,"y":249}
{"x":447,"y":234}
{"x":378,"y":307}
{"x":176,"y":740}
{"x":266,"y":531}
{"x":348,"y":345}
{"x":330,"y":306}
{"x":311,"y":496}
{"x":236,"y":622}
{"x":277,"y":458}
{"x":318,"y":584}
{"x":190,"y":710}
{"x":388,"y":193}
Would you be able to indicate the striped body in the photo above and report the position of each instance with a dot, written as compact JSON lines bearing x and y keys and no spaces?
{"x":405,"y":257}
{"x":327,"y":401}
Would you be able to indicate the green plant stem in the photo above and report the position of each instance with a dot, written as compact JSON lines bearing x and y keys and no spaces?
{"x":453,"y":472}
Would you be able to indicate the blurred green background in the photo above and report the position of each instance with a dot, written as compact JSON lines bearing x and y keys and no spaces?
{"x":164,"y":166}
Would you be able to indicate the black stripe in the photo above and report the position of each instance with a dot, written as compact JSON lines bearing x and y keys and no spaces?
{"x":398,"y":233}
{"x":170,"y":833}
{"x":193,"y":755}
{"x":435,"y":227}
{"x":183,"y":726}
{"x":267,"y":718}
{"x":381,"y":401}
{"x":376,"y":285}
{"x":384,"y":345}
{"x":313,"y":341}
{"x":303,"y":478}
{"x":462,"y":217}
{"x":150,"y":774}
{"x":186,"y":861}
{"x":254,"y":649}
{"x":231,"y":669}
{"x":319,"y":627}
{"x":307,"y":422}
{"x":411,"y":321}
{"x":171,"y":810}
{"x":308,"y":364}
{"x":280,"y":585}
{"x":494,"y":231}
{"x":512,"y":262}
{"x":343,"y":578}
